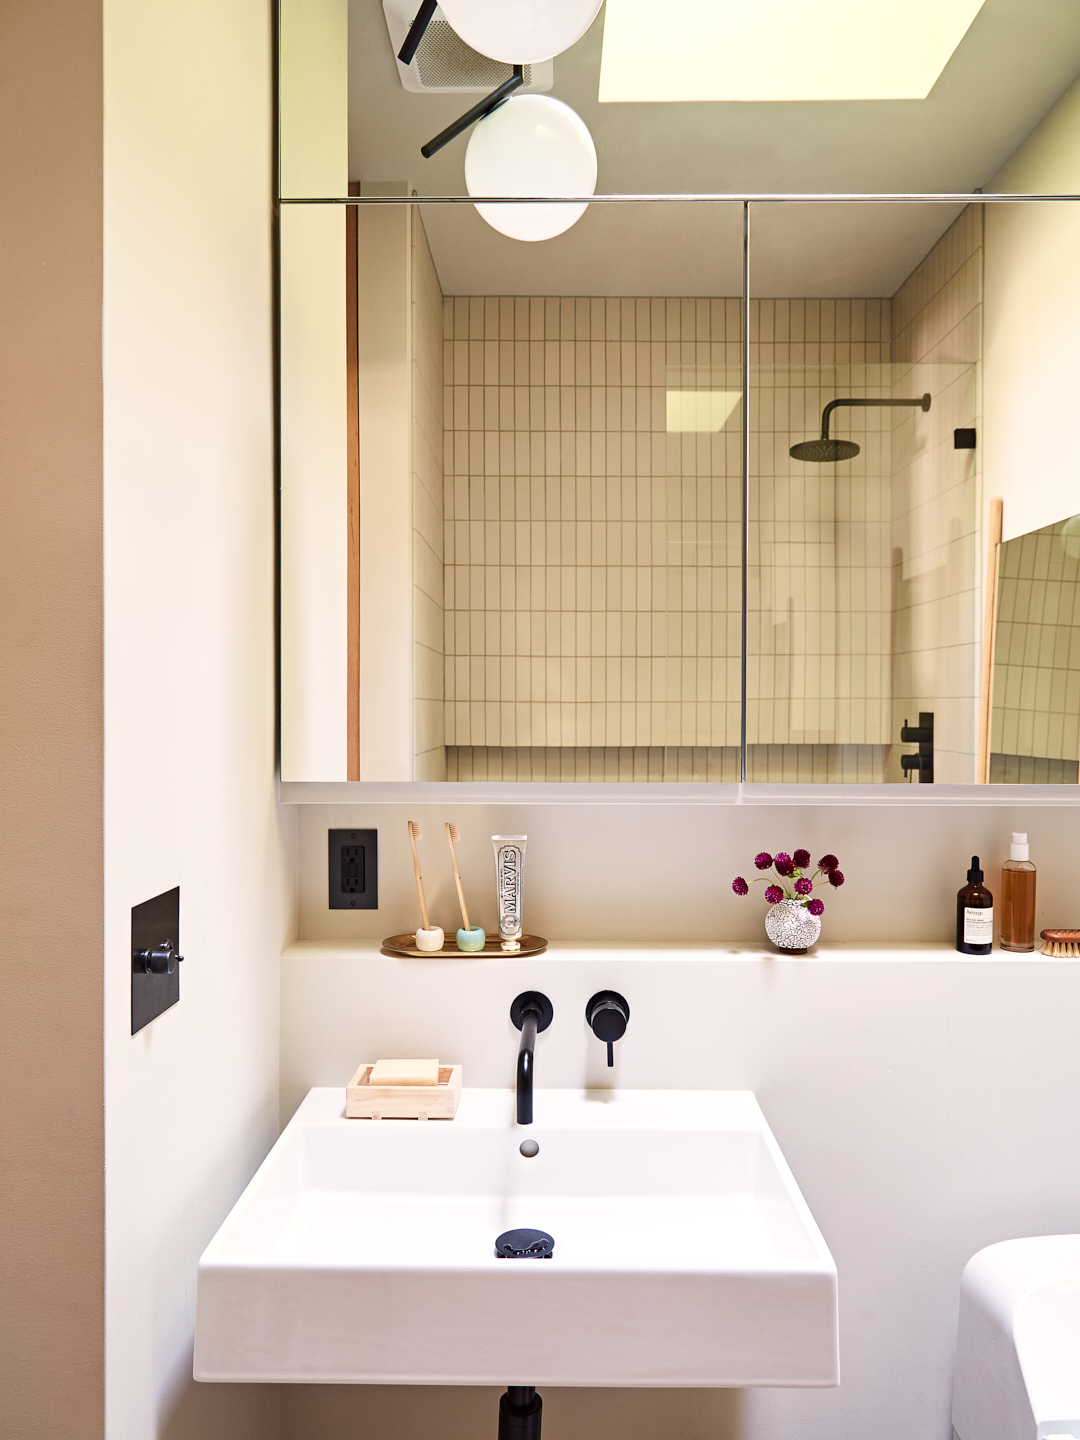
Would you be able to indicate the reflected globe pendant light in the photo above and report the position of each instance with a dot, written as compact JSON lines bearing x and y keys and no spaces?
{"x":520,"y":32}
{"x":531,"y":145}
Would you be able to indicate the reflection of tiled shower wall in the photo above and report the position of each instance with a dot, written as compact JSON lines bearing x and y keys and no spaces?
{"x":429,"y":760}
{"x":592,"y":568}
{"x":1037,"y":653}
{"x":936,"y":564}
{"x":592,"y":585}
{"x":591,"y":559}
{"x":818,"y":622}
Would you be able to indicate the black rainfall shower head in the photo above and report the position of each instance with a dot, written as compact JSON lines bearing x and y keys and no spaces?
{"x":826,"y":451}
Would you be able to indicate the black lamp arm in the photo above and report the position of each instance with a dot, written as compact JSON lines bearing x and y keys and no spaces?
{"x":478,"y":112}
{"x":421,"y":21}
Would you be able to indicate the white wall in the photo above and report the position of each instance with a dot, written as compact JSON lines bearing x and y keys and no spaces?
{"x":920,"y":1098}
{"x":191,"y":1102}
{"x":1032,"y":321}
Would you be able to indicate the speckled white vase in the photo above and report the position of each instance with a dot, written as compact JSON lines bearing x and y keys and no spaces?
{"x":791,"y":927}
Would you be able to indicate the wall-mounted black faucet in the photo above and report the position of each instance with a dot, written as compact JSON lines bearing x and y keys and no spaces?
{"x":923,"y":736}
{"x":531,"y":1012}
{"x":608,"y":1015}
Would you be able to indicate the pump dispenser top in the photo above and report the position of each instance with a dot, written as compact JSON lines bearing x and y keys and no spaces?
{"x":1019,"y":849}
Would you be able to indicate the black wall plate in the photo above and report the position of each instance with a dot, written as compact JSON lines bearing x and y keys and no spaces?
{"x":152,"y":923}
{"x":353,"y":862}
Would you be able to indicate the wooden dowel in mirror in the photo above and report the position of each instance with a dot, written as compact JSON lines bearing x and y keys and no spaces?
{"x":986,"y":693}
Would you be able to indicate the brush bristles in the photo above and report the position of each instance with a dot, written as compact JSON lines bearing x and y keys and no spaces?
{"x":414,"y":829}
{"x":1062,"y":949}
{"x":453,"y":831}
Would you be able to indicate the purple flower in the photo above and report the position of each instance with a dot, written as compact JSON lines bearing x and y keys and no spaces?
{"x":801,"y":858}
{"x":836,"y":877}
{"x":827,"y":863}
{"x":774,"y":894}
{"x":815,"y":907}
{"x":804,"y":886}
{"x":740,"y":886}
{"x":783,"y":864}
{"x":763,"y":861}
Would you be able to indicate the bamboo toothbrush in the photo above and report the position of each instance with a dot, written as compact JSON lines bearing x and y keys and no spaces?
{"x":414,"y":835}
{"x":452,"y":834}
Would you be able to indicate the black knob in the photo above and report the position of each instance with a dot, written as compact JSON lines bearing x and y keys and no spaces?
{"x":608,"y":1015}
{"x":162,"y":960}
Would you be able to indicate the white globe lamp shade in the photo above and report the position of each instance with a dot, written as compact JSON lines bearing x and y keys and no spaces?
{"x":532,"y":145}
{"x":520,"y":32}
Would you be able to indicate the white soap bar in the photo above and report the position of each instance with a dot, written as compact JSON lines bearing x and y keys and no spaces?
{"x":405,"y":1072}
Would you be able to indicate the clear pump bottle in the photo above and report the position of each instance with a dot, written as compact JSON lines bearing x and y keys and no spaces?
{"x":1018,"y":898}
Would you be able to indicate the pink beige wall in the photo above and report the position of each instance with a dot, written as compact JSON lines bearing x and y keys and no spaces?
{"x":51,"y":911}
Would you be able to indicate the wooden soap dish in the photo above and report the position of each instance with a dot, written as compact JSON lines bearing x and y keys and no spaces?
{"x":364,"y":1101}
{"x":508,"y":949}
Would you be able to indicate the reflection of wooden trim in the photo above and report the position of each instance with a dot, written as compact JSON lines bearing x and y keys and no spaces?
{"x":353,"y":506}
{"x":986,"y":693}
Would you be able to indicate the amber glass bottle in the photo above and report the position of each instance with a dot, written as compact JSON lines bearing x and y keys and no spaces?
{"x":974,"y":914}
{"x":1018,"y":898}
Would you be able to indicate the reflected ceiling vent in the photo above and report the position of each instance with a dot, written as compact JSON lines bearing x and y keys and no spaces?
{"x":445,"y":65}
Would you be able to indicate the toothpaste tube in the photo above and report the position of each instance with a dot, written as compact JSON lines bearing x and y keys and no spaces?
{"x":509,"y":862}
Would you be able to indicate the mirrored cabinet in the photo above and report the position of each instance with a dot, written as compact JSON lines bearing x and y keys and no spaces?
{"x":699,"y":489}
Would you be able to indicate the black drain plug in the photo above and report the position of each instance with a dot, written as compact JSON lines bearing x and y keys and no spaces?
{"x":524,"y":1245}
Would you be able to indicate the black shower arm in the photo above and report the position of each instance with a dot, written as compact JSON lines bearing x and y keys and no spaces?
{"x":923,"y":403}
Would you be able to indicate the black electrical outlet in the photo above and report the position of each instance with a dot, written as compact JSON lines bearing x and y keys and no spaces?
{"x":155,"y":943}
{"x":352,"y":869}
{"x":964,"y":438}
{"x":353,"y":863}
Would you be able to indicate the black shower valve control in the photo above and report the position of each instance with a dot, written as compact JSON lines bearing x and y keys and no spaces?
{"x":923,"y":736}
{"x":161,"y":960}
{"x":608,"y":1015}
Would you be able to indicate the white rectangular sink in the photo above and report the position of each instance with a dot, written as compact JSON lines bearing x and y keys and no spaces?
{"x":364,"y":1250}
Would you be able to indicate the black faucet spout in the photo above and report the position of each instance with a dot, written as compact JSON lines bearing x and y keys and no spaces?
{"x":531,"y":1012}
{"x":526,"y":1064}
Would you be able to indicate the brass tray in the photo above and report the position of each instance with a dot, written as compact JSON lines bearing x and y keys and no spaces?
{"x":505,"y":949}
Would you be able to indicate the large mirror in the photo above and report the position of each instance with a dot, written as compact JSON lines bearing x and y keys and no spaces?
{"x":514,"y":473}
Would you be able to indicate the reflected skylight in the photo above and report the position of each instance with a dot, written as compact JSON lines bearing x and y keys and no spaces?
{"x":779,"y":49}
{"x":700,"y":410}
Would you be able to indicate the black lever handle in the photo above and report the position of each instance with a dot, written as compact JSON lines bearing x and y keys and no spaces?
{"x":915,"y":734}
{"x":608,"y":1015}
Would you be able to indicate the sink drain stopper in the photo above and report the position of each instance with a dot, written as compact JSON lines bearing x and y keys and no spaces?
{"x":524,"y":1245}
